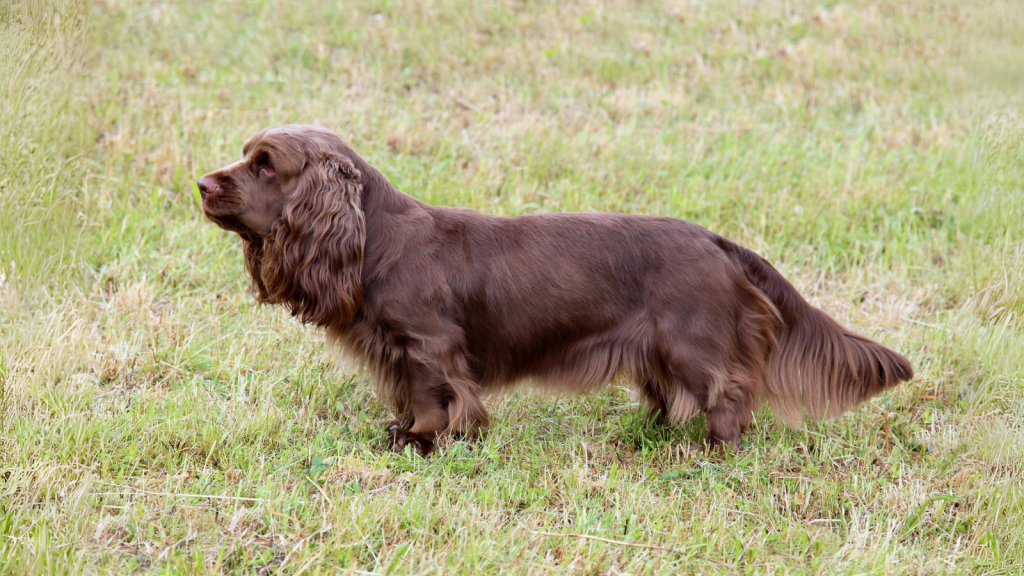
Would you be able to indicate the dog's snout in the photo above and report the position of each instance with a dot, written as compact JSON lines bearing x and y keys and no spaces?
{"x":206,"y":187}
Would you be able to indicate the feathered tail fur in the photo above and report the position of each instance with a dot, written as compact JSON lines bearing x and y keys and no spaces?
{"x":816,"y":368}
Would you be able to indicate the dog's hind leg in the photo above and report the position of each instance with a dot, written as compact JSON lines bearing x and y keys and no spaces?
{"x":672,"y":404}
{"x":729,"y":405}
{"x":654,"y":397}
{"x":702,"y":376}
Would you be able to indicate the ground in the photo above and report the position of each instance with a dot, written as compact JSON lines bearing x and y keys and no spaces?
{"x":153,"y":419}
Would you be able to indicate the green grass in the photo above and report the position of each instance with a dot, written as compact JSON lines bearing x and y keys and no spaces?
{"x":153,"y":419}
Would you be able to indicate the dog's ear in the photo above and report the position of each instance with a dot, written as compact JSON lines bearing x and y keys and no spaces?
{"x":313,"y":257}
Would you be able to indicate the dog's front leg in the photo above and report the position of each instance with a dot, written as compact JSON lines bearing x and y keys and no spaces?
{"x":429,"y":420}
{"x":441,"y":404}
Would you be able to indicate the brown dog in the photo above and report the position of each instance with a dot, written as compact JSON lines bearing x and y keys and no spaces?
{"x":442,"y":304}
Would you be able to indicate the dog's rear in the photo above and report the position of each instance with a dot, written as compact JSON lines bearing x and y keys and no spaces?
{"x":816,"y":367}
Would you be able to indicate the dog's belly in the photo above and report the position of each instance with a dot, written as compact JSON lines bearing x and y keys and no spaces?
{"x":568,"y":353}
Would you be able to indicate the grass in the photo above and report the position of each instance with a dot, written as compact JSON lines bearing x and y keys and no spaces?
{"x":152,"y":419}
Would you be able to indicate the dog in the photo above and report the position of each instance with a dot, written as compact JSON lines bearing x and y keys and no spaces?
{"x":444,"y":304}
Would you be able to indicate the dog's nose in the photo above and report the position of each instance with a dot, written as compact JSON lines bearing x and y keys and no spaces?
{"x":206,"y":187}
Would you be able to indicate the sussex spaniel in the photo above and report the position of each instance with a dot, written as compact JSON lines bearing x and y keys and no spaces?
{"x":442,"y":304}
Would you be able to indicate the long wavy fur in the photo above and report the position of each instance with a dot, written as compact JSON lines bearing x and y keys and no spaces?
{"x":312,"y":259}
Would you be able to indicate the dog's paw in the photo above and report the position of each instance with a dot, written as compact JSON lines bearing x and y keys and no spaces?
{"x":398,"y":439}
{"x":721,"y":448}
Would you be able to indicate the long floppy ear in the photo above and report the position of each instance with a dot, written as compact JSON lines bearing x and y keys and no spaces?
{"x":313,"y":257}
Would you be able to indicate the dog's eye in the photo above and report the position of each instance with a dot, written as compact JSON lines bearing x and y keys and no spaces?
{"x":267,"y":171}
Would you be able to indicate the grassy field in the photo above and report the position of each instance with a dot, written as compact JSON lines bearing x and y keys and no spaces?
{"x":153,"y":419}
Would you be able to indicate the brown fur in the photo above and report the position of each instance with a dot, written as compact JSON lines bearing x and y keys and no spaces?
{"x":442,"y":304}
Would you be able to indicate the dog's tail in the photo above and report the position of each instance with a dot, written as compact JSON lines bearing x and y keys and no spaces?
{"x":816,"y":367}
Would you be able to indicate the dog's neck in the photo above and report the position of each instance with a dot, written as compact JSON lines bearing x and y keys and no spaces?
{"x":393,"y":220}
{"x":379,"y":199}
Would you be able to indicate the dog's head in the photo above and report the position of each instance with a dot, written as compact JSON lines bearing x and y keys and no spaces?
{"x":294,"y":198}
{"x":249,"y":195}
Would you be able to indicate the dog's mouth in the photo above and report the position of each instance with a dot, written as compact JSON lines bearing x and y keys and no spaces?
{"x":232,"y":223}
